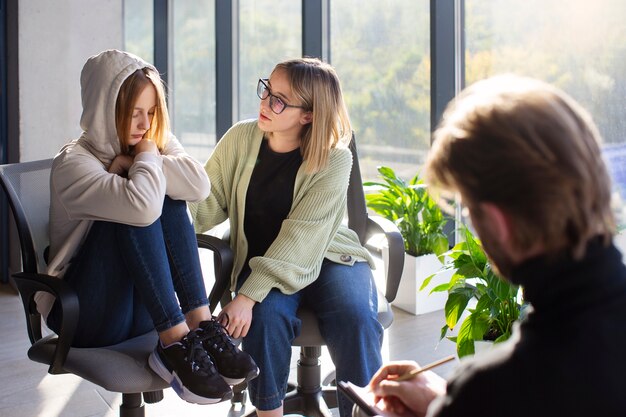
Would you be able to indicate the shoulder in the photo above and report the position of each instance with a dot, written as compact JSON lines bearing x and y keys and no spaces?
{"x":74,"y":157}
{"x":241,"y":135}
{"x":243,"y":130}
{"x":340,"y":156}
{"x":339,"y":163}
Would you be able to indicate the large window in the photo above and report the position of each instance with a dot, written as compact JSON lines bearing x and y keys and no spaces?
{"x":192,"y":78}
{"x":576,"y":45}
{"x":191,"y":68}
{"x":270,"y":31}
{"x":139,"y":28}
{"x":382,"y":55}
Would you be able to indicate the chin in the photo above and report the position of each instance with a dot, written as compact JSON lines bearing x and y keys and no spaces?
{"x":261,"y":124}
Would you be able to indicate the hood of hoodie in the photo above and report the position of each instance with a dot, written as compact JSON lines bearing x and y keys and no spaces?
{"x":100,"y":82}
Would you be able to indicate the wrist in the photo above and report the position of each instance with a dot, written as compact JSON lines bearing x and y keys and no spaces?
{"x":246,"y":300}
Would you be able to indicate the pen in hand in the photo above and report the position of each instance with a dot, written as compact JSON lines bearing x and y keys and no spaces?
{"x":412,"y":374}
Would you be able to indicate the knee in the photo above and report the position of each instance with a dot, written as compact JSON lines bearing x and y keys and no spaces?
{"x":359,"y":318}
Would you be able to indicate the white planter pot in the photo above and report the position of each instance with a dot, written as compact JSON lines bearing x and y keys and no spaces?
{"x":416,"y":269}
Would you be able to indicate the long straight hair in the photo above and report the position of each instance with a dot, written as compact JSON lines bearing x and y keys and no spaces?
{"x":129,"y":92}
{"x":316,"y":85}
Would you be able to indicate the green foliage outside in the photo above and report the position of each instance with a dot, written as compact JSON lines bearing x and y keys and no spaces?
{"x":413,"y":211}
{"x":498,"y":302}
{"x":381,"y":51}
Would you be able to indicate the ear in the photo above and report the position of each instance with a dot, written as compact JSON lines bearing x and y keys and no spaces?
{"x":306,"y":118}
{"x":499,"y":222}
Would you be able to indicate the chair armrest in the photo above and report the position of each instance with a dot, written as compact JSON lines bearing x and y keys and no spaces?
{"x":223,"y":262}
{"x":28,"y":285}
{"x":395,"y":243}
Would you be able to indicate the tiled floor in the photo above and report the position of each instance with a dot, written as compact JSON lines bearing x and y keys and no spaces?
{"x":27,"y":390}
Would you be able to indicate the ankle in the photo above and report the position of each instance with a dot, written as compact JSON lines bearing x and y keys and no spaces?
{"x":173,"y":334}
{"x":196,"y":316}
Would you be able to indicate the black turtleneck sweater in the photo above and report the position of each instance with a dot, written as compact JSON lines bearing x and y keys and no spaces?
{"x":567,"y":358}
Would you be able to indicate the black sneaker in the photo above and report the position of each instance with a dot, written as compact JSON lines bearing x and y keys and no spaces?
{"x":186,"y":366}
{"x":234,"y":365}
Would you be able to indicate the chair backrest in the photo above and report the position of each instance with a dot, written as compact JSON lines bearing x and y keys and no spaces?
{"x":27,"y":186}
{"x":361,"y":223}
{"x":357,"y":209}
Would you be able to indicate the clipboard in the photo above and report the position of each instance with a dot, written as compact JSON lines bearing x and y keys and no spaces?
{"x":358,"y":395}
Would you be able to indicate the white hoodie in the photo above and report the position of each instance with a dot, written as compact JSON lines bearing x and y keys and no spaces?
{"x":81,"y":188}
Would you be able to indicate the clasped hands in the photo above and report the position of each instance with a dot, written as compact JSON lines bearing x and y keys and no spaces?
{"x":122,"y":163}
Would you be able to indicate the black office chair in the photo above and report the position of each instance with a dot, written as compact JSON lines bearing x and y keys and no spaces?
{"x":119,"y":368}
{"x":313,"y":397}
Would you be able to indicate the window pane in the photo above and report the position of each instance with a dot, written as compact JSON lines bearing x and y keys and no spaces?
{"x":139,"y":28}
{"x":382,"y":55}
{"x":269,"y":32}
{"x":192,"y":80}
{"x":576,"y":45}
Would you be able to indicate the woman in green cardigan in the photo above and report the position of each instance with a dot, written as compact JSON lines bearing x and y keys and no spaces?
{"x":281,"y":181}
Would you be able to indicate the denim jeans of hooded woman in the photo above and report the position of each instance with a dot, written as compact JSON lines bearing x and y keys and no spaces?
{"x":344,"y":299}
{"x":128,"y":278}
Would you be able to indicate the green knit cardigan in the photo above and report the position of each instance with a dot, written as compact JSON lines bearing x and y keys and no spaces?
{"x":312,"y":231}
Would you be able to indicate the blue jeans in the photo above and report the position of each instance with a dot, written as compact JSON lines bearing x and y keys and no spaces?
{"x":128,"y":278}
{"x":344,"y":300}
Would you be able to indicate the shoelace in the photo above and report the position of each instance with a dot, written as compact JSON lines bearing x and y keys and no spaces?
{"x":216,"y":335}
{"x":196,"y":356}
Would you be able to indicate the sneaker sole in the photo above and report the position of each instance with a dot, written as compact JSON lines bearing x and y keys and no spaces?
{"x":235,"y":381}
{"x":183,"y":392}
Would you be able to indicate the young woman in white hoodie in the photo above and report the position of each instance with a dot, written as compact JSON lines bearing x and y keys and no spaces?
{"x":120,"y":234}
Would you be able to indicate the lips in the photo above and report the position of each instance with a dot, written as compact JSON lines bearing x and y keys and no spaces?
{"x":263,"y":117}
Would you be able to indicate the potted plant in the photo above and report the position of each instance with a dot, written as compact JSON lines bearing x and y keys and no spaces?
{"x":498,"y":303}
{"x":421,"y":224}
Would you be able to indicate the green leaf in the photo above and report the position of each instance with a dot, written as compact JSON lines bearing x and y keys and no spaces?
{"x":467,"y":270}
{"x":440,"y":288}
{"x":456,"y":304}
{"x":427,"y":281}
{"x":464,"y":347}
{"x":409,"y":206}
{"x":475,"y":250}
{"x":473,"y":328}
{"x":444,"y":331}
{"x":439,"y":244}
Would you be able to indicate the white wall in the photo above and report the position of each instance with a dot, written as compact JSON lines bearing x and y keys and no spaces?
{"x":55,"y":39}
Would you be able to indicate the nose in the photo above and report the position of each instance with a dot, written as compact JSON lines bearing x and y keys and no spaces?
{"x":265,"y":104}
{"x":144,"y":123}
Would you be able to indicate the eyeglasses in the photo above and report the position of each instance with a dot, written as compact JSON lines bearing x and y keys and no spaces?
{"x":276,"y":103}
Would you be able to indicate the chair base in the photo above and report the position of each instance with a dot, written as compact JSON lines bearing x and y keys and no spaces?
{"x":309,"y":404}
{"x":309,"y":398}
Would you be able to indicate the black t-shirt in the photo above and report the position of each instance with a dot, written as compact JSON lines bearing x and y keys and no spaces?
{"x":269,"y":197}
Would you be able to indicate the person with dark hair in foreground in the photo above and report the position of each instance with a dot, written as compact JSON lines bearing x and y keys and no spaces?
{"x":525,"y":160}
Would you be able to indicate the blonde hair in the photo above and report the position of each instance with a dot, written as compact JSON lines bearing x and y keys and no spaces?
{"x":316,"y":86}
{"x":530,"y":149}
{"x":130,"y":90}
